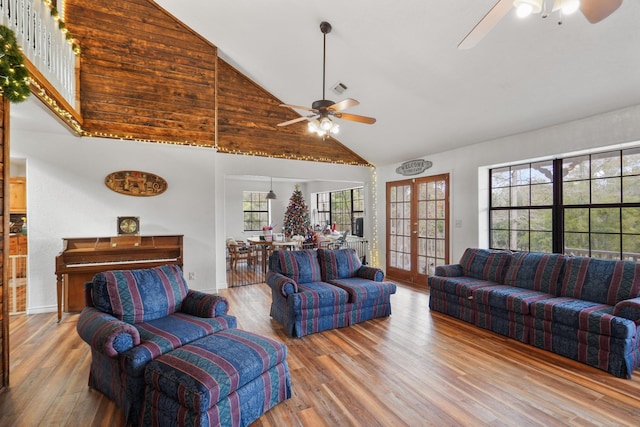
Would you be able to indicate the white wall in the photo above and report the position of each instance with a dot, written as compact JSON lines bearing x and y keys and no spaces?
{"x":468,"y":168}
{"x":66,"y":197}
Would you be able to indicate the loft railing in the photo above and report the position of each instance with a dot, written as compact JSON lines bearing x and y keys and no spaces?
{"x":43,"y":43}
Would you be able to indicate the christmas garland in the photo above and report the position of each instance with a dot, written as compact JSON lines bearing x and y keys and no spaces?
{"x":14,"y":76}
{"x":63,"y":27}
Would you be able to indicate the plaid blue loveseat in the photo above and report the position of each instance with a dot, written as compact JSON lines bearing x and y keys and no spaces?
{"x":317,"y":290}
{"x":583,"y":308}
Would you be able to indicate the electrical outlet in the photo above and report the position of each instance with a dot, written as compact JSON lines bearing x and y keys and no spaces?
{"x":192,"y":275}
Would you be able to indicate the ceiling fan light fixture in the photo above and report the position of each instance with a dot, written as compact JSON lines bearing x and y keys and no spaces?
{"x":525,"y":8}
{"x":326,"y":124}
{"x":569,"y":6}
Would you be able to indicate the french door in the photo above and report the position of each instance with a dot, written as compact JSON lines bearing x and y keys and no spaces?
{"x":417,"y":227}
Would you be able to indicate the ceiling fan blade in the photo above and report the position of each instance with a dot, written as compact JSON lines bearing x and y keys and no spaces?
{"x":298,"y":107}
{"x":486,"y":24}
{"x":355,"y":118}
{"x":290,"y":122}
{"x":596,"y":10}
{"x":343,"y":105}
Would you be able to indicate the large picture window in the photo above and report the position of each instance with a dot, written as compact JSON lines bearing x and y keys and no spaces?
{"x":340,"y":207}
{"x":586,"y":205}
{"x":255,"y":207}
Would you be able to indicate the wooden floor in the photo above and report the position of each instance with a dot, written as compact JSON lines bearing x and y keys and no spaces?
{"x":415,"y":368}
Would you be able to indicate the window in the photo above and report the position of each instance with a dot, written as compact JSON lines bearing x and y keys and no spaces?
{"x":324,"y":209}
{"x":521,"y":207}
{"x":585,"y":205}
{"x":255,"y":209}
{"x":341,"y":207}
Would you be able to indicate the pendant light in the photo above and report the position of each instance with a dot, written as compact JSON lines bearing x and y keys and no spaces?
{"x":271,"y":195}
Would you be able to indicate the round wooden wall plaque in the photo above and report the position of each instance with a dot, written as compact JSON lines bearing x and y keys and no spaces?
{"x":136,"y":183}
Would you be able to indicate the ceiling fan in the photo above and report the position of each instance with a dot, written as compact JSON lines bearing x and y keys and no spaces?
{"x":594,"y":10}
{"x":323,"y":109}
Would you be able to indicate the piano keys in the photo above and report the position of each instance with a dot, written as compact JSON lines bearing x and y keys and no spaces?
{"x":82,"y":258}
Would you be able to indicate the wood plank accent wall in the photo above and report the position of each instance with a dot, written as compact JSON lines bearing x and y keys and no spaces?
{"x":4,"y":243}
{"x":247,"y":123}
{"x":145,"y":76}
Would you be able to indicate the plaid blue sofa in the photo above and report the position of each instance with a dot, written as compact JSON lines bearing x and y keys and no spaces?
{"x":587,"y":309}
{"x":135,"y":316}
{"x":317,"y":290}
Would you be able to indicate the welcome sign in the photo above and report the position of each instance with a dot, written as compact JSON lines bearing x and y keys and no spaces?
{"x":413,"y":167}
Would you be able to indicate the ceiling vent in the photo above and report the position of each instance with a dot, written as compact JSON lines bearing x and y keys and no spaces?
{"x":339,"y":88}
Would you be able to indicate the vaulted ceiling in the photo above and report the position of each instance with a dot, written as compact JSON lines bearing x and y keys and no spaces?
{"x":400,"y":60}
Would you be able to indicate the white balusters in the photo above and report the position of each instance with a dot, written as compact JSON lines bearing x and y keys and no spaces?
{"x":42,"y":42}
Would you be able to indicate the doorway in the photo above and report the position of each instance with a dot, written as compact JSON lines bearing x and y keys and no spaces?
{"x":417,"y":227}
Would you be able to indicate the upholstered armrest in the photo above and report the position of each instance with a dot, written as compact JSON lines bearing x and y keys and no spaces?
{"x":629,"y":309}
{"x":105,"y":333}
{"x":371,"y":273}
{"x":451,"y":270}
{"x":281,"y":283}
{"x":201,"y":304}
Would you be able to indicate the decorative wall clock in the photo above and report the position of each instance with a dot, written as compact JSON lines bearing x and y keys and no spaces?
{"x":135,"y":183}
{"x":128,"y":225}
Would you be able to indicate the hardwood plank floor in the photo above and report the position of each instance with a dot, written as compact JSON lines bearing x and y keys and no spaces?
{"x":415,"y":368}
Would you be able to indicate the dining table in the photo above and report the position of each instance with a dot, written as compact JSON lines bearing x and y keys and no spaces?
{"x":265,"y":245}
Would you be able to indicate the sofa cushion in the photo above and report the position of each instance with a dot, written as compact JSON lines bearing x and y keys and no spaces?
{"x":485,"y":264}
{"x":602,"y":281}
{"x":460,"y":286}
{"x":135,"y":296}
{"x":537,"y":271}
{"x":320,"y":294}
{"x":160,"y":336}
{"x":360,"y":290}
{"x":301,"y":266}
{"x":338,"y":264}
{"x":583,"y":315}
{"x":509,"y":298}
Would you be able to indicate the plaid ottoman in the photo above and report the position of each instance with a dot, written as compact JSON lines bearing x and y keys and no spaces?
{"x":229,"y":378}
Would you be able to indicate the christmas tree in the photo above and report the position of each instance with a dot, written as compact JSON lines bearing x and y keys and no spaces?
{"x":296,"y":217}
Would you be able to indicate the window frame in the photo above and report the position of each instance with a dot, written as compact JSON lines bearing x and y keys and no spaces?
{"x":260,"y":198}
{"x":577,"y":175}
{"x":327,"y":206}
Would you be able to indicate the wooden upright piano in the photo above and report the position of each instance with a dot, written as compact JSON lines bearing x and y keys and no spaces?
{"x":81,"y":258}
